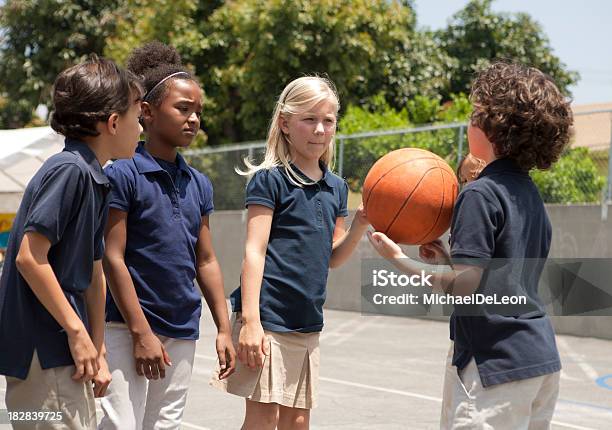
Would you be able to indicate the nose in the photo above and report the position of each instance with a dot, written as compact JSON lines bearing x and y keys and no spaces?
{"x":193,"y":118}
{"x":319,"y":129}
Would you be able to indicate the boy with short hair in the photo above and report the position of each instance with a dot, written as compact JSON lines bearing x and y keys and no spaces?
{"x":503,"y":370}
{"x":52,"y":290}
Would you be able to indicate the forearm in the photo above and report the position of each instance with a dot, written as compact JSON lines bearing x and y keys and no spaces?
{"x":443,"y":278}
{"x":124,"y":295}
{"x":95,"y":298}
{"x":252,"y":276}
{"x":345,"y":246}
{"x":40,"y":277}
{"x":210,"y":280}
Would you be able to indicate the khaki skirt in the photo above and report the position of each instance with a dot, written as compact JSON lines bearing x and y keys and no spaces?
{"x":289,"y":376}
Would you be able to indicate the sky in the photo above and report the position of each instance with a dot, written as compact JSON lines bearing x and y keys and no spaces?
{"x":580,"y":34}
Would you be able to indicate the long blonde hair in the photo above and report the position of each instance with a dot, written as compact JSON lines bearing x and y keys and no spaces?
{"x":298,"y":96}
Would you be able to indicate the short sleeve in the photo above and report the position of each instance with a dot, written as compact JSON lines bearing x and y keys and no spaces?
{"x":122,"y":187}
{"x":206,"y":196}
{"x":473,"y":229}
{"x":56,"y":202}
{"x":343,"y":207}
{"x":262,"y":189}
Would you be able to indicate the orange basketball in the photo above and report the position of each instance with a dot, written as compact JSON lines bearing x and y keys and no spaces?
{"x":409,"y":195}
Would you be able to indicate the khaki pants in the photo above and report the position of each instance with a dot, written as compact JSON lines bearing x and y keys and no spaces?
{"x":527,"y":404}
{"x":132,"y":402}
{"x":68,"y":404}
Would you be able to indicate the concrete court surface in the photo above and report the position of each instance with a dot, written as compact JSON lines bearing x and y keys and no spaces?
{"x":386,"y":373}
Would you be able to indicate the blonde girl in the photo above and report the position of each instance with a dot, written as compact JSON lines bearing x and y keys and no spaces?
{"x":295,"y":233}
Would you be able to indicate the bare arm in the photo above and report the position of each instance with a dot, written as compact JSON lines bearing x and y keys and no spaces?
{"x":456,"y":279}
{"x":251,"y":348}
{"x":210,"y":280}
{"x":149,"y":353}
{"x":95,"y":297}
{"x":345,"y":242}
{"x":34,"y":266}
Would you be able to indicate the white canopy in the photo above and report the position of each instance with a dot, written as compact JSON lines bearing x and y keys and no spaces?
{"x":22,"y":152}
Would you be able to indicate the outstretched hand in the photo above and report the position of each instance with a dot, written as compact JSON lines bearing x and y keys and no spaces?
{"x":387,"y":249}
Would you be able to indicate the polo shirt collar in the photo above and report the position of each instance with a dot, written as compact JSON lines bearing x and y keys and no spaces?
{"x":502,"y":165}
{"x":93,"y":165}
{"x":326,"y":178}
{"x":145,"y":163}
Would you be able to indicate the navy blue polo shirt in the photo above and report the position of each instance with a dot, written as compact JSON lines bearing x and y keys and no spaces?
{"x":67,"y":202}
{"x":163,"y":226}
{"x":299,"y":247}
{"x":501,"y":216}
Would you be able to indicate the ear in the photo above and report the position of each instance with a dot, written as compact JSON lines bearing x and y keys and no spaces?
{"x":146,"y":112}
{"x":112,"y":123}
{"x":283,"y":123}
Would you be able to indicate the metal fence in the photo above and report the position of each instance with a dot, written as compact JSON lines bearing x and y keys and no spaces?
{"x":583,"y":175}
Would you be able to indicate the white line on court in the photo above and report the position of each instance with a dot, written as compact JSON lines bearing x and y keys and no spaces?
{"x":358,"y":327}
{"x":402,"y":393}
{"x":338,"y":330}
{"x":384,"y":390}
{"x":193,"y":426}
{"x":571,"y":426}
{"x":578,"y":358}
{"x":566,"y":377}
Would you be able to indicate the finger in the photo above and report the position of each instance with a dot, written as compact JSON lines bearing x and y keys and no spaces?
{"x":242,"y":354}
{"x":222,"y":362}
{"x":259,"y":358}
{"x":251,"y":359}
{"x":425,"y":252}
{"x":372,"y":239}
{"x":103,"y":389}
{"x":228,"y":366}
{"x":96,"y":366}
{"x":80,"y":371}
{"x":265,"y":346}
{"x":89,"y":372}
{"x":146,"y":367}
{"x":161,"y":367}
{"x":154,"y":369}
{"x":231,"y":367}
{"x":96,"y":388}
{"x":166,"y":356}
{"x":140,"y":367}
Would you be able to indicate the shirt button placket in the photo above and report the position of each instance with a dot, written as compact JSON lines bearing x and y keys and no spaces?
{"x":175,"y":203}
{"x":319,"y":208}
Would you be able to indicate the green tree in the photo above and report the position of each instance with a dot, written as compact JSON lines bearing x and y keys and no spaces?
{"x":253,"y":48}
{"x":476,"y":35}
{"x":141,"y":21}
{"x":573,"y":179}
{"x":361,"y":153}
{"x":38,"y":40}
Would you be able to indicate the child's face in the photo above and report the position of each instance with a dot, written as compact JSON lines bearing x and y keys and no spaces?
{"x":176,"y":121}
{"x":311,"y":132}
{"x":479,"y":144}
{"x":128,"y":132}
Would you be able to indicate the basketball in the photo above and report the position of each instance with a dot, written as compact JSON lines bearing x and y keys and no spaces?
{"x":409,"y":195}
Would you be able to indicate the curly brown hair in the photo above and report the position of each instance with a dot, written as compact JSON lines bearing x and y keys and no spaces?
{"x":523,"y":113}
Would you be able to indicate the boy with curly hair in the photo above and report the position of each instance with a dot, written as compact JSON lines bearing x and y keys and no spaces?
{"x":502,"y":370}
